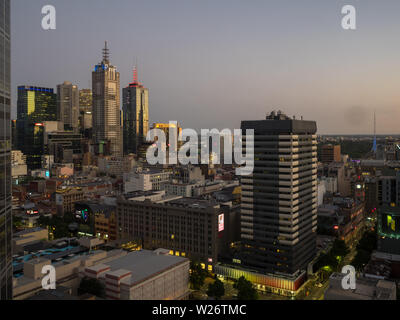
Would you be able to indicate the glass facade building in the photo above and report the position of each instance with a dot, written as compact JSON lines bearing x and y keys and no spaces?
{"x":135,"y":115}
{"x":35,"y":106}
{"x":5,"y":155}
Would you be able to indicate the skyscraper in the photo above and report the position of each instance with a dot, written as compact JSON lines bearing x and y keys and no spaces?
{"x":85,"y":100}
{"x":85,"y":112}
{"x":5,"y":155}
{"x":106,"y":106}
{"x":34,"y":106}
{"x":68,"y":105}
{"x":136,"y":115}
{"x":279,"y":200}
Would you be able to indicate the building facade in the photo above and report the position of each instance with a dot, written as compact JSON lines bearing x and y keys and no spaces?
{"x":34,"y":107}
{"x":143,"y":275}
{"x":135,"y":115}
{"x":85,"y":100}
{"x":85,"y":110}
{"x":330,"y":153}
{"x":116,"y":165}
{"x":66,"y":199}
{"x":146,"y":180}
{"x":188,"y":227}
{"x":106,"y":107}
{"x":68,"y":105}
{"x":6,"y":271}
{"x":279,"y":199}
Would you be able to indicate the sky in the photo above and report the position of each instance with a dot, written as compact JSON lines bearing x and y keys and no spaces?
{"x":213,"y":63}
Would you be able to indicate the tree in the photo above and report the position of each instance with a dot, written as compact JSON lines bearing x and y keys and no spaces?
{"x":361,"y":259}
{"x":245,"y":289}
{"x":197,"y":275}
{"x":216,"y":289}
{"x":368,"y":242}
{"x":339,"y":248}
{"x":43,"y":221}
{"x":326,"y":260}
{"x":92,"y":286}
{"x":366,"y":245}
{"x":56,"y":224}
{"x":17,"y":223}
{"x":61,"y":231}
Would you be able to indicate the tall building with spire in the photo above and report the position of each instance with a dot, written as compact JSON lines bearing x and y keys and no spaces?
{"x":135,"y":114}
{"x":107,"y":131}
{"x":374,"y":145}
{"x":6,"y":272}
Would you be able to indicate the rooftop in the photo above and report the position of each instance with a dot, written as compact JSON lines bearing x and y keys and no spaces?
{"x":143,"y":264}
{"x":194,"y":203}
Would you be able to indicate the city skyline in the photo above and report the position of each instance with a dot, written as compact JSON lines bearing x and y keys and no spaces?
{"x":121,"y":177}
{"x":246,"y":60}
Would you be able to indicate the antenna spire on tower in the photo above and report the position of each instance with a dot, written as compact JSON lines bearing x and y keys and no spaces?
{"x":135,"y":75}
{"x":374,"y":144}
{"x":106,"y":52}
{"x":135,"y":82}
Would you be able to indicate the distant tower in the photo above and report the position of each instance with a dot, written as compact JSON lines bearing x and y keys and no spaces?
{"x":68,"y":105}
{"x":374,"y":145}
{"x":35,"y":105}
{"x":136,"y":114}
{"x":106,"y":106}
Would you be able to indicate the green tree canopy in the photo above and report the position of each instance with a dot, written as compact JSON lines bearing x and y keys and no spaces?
{"x":361,"y":259}
{"x":56,"y":224}
{"x":368,"y":242}
{"x":216,"y":289}
{"x":197,"y":275}
{"x":366,"y":245}
{"x":245,"y":289}
{"x":339,"y":248}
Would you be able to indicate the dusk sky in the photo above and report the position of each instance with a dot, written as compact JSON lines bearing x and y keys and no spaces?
{"x":212,"y":63}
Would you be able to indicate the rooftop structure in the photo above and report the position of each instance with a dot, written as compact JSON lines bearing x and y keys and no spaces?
{"x":366,"y":289}
{"x":134,"y":276}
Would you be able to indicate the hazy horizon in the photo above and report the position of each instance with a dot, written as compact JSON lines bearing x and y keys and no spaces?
{"x":212,"y":64}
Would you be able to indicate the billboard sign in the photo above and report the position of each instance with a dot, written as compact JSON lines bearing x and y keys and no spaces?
{"x":221,"y":223}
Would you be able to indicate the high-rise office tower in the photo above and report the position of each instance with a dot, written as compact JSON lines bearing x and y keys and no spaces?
{"x":85,"y":100}
{"x":331,"y":153}
{"x":279,"y":200}
{"x":68,"y":105}
{"x":135,"y":115}
{"x":85,"y":111}
{"x":106,"y":106}
{"x":34,"y":106}
{"x":5,"y":155}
